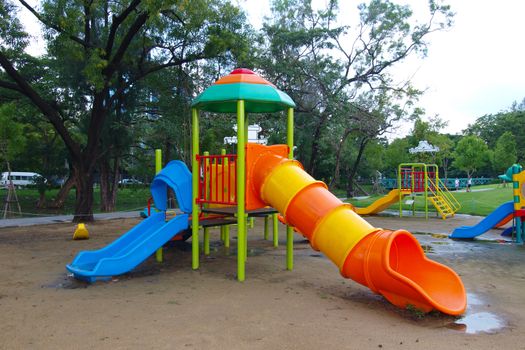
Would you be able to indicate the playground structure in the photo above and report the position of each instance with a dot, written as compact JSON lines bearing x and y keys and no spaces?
{"x":417,"y":179}
{"x":384,"y":202}
{"x":261,"y":180}
{"x":512,"y":210}
{"x":423,"y":179}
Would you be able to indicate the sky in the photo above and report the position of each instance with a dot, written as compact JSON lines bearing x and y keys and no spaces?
{"x":474,"y":68}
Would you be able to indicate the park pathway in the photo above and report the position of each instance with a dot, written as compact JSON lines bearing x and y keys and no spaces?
{"x":44,"y":220}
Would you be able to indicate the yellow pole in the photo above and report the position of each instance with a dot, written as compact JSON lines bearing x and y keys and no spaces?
{"x":241,"y":183}
{"x":289,"y":230}
{"x":195,"y":190}
{"x":158,"y":168}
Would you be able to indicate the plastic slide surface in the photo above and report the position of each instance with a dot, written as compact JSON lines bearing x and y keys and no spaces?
{"x":129,"y":250}
{"x":382,"y":203}
{"x":492,"y":220}
{"x":391,"y":263}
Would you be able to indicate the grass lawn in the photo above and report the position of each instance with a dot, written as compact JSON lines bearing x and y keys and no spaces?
{"x":128,"y":198}
{"x":481,"y":201}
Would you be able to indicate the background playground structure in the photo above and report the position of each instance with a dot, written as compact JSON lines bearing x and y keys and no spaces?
{"x":423,"y":179}
{"x":416,"y":180}
{"x":512,"y":210}
{"x":481,"y":201}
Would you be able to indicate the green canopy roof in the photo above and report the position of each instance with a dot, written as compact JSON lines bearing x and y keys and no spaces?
{"x":259,"y":95}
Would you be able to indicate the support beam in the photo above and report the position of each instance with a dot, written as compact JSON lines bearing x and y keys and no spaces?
{"x":158,"y":168}
{"x":241,"y":183}
{"x":275,"y":230}
{"x":266,"y":227}
{"x":195,"y":189}
{"x":289,"y":230}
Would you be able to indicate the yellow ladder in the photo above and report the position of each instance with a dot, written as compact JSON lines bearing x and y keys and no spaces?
{"x":443,"y":200}
{"x":442,"y":207}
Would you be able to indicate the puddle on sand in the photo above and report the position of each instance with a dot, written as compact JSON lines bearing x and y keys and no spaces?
{"x":479,"y":322}
{"x":66,"y":282}
{"x":476,"y":321}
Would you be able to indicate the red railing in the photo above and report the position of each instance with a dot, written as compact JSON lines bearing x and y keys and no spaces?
{"x":218,"y":179}
{"x":414,"y":180}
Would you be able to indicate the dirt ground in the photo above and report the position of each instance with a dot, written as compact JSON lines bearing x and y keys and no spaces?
{"x":169,"y":306}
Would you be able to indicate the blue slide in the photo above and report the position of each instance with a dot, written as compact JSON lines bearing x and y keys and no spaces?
{"x":486,"y":224}
{"x":135,"y":246}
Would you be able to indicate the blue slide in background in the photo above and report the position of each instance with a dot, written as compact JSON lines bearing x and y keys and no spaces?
{"x":135,"y":246}
{"x":486,"y":224}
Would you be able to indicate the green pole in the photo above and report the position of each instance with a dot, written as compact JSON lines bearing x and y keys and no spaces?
{"x":289,"y":230}
{"x":241,"y":183}
{"x":275,"y":230}
{"x":195,"y":190}
{"x":227,"y":236}
{"x":248,"y":220}
{"x":158,"y":168}
{"x":426,"y":191}
{"x":399,"y":188}
{"x":206,"y":241}
{"x":516,"y":199}
{"x":412,"y":184}
{"x":266,"y":227}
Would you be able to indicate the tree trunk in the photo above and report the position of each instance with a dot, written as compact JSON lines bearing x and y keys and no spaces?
{"x":41,"y":200}
{"x":335,"y":178}
{"x":108,"y":185}
{"x":61,"y":197}
{"x":315,"y":144}
{"x":353,"y":170}
{"x":84,"y":200}
{"x":167,"y":153}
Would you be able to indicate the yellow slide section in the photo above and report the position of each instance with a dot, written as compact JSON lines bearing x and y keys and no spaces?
{"x":390,"y":263}
{"x":382,"y":203}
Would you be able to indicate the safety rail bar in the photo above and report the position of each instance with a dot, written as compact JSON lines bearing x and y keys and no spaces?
{"x":443,"y":191}
{"x":218,"y":179}
{"x":453,"y":202}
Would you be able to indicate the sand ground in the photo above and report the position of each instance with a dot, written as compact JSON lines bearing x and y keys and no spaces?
{"x":169,"y":306}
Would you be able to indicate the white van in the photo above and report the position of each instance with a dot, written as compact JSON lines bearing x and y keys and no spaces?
{"x":19,"y":178}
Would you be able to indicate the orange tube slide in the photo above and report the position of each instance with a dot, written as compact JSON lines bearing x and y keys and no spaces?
{"x":389,"y":263}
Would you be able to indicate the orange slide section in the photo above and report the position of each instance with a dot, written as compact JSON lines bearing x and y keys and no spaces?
{"x":505,"y":220}
{"x":383,"y":202}
{"x":390,"y":263}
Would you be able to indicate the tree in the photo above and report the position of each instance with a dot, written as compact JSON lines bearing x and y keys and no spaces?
{"x":505,"y":152}
{"x":431,"y":131}
{"x":327,"y":67}
{"x":396,"y":153}
{"x":98,"y":53}
{"x":492,"y":126}
{"x":471,"y":154}
{"x":12,"y":138}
